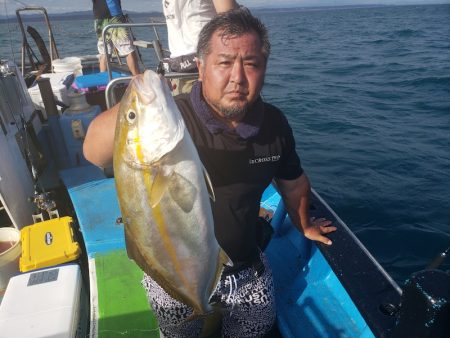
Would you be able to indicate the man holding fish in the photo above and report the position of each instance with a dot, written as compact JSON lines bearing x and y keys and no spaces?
{"x":197,"y":256}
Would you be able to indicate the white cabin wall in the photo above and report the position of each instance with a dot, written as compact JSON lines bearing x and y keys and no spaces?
{"x":16,"y":183}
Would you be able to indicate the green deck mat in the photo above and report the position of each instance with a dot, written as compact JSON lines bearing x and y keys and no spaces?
{"x":123,"y":307}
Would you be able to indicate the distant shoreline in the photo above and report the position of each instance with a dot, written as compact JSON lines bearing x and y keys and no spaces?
{"x":80,"y":15}
{"x":87,"y":15}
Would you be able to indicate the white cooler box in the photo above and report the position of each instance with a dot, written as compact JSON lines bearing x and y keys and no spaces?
{"x":43,"y":303}
{"x":59,"y":88}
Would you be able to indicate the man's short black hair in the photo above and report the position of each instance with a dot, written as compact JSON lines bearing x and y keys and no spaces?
{"x":233,"y":23}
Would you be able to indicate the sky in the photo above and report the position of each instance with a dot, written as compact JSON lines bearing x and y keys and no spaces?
{"x":62,"y":6}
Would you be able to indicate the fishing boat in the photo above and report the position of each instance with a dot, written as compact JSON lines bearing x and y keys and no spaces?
{"x":75,"y":277}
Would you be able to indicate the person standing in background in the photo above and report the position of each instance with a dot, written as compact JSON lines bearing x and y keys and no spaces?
{"x":109,"y":12}
{"x":185,"y":19}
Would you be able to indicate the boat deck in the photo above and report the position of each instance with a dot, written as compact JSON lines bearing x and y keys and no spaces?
{"x":311,"y":281}
{"x":119,"y":305}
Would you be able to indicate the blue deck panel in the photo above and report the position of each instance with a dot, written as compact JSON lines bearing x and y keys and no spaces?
{"x":77,"y":176}
{"x":325,"y":302}
{"x":311,"y":301}
{"x":95,"y":202}
{"x":270,"y":199}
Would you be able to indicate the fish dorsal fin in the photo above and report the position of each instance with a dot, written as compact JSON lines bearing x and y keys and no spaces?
{"x":159,"y":186}
{"x":209,"y":185}
{"x":182,"y":191}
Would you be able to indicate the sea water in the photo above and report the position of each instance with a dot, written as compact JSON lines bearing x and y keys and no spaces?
{"x":367,"y":93}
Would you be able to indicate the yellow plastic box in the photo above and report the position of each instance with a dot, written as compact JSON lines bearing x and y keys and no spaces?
{"x":48,"y":243}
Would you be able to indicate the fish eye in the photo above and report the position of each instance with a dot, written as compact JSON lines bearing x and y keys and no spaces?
{"x":131,"y":116}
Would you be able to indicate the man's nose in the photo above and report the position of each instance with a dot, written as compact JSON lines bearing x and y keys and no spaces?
{"x":237,"y":72}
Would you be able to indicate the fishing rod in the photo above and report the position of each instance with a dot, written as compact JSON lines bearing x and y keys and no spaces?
{"x":40,"y":198}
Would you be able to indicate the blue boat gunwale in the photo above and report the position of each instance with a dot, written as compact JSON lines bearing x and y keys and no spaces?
{"x":364,"y":281}
{"x":367,"y":283}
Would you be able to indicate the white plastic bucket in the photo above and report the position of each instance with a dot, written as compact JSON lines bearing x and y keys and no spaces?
{"x":10,"y":251}
{"x":69,"y":64}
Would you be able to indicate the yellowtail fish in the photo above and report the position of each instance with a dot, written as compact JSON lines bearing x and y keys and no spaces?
{"x":163,"y":195}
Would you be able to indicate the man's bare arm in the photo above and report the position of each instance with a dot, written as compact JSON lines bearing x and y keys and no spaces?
{"x":295,"y":195}
{"x":98,"y":145}
{"x":224,"y":5}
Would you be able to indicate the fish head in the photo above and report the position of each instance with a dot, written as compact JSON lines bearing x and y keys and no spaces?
{"x":149,"y":124}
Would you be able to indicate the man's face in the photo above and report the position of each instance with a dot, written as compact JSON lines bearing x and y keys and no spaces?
{"x":232,"y":74}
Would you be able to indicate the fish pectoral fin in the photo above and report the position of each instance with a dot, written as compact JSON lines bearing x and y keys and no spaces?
{"x":182,"y":191}
{"x":159,"y":186}
{"x":209,"y":185}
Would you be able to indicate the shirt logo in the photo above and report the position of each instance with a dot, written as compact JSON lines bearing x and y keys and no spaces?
{"x":185,"y":64}
{"x":258,"y":160}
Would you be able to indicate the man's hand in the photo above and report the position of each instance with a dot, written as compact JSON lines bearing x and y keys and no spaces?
{"x":317,"y":229}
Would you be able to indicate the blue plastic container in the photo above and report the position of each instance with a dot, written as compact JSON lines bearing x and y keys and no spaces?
{"x":94,"y":81}
{"x":74,"y":125}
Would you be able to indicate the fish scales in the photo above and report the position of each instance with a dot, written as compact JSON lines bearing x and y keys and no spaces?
{"x":163,"y":195}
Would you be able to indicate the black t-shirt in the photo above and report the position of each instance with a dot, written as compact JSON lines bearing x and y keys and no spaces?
{"x":240,"y":170}
{"x":102,"y":11}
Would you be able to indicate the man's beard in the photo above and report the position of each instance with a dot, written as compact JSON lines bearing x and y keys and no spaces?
{"x":233,"y":112}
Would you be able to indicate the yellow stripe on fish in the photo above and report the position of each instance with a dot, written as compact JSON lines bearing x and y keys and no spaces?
{"x":151,"y":186}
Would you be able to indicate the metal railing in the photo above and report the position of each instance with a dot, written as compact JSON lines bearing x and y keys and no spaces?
{"x":111,"y":100}
{"x":26,"y":49}
{"x":155,"y":44}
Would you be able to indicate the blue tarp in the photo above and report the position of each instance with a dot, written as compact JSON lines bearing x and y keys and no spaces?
{"x":95,"y":202}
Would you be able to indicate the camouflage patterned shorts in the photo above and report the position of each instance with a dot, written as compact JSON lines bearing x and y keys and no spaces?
{"x":120,"y":38}
{"x":247,"y":300}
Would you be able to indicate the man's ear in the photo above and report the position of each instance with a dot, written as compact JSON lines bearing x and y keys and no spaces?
{"x":200,"y":68}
